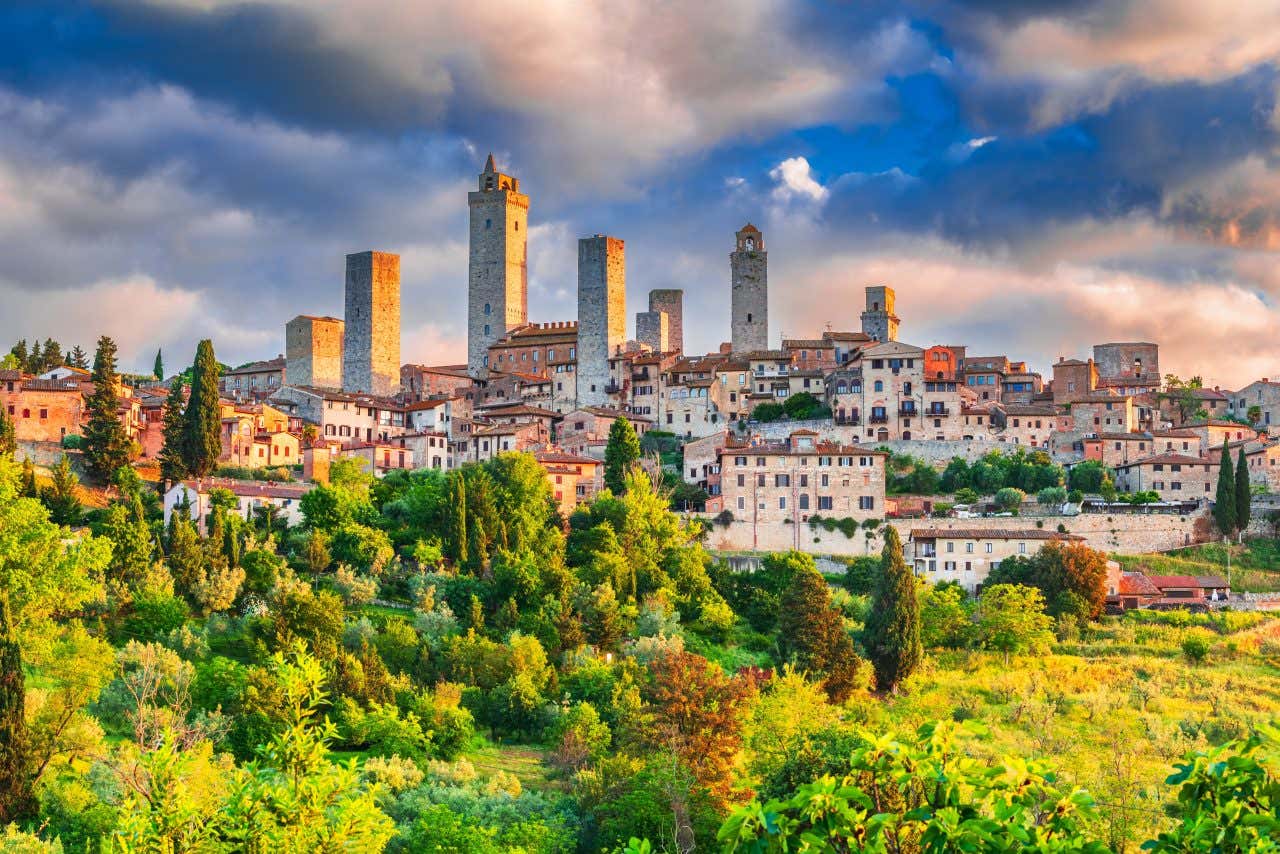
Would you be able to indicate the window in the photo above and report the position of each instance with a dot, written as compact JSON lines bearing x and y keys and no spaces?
{"x":804,"y":501}
{"x":780,"y":480}
{"x":951,"y":547}
{"x":968,"y":548}
{"x":742,"y":503}
{"x":988,"y":548}
{"x":1022,"y":548}
{"x":824,"y":502}
{"x":866,"y":502}
{"x":879,"y":386}
{"x":782,"y":502}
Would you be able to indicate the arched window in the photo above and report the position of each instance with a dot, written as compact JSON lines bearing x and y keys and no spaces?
{"x":879,"y":385}
{"x":488,"y":309}
{"x":751,"y":244}
{"x":906,"y":434}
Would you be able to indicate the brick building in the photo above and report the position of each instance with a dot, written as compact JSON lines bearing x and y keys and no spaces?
{"x":1174,"y":477}
{"x":967,"y":557}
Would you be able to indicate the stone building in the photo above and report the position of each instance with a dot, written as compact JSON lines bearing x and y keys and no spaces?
{"x":669,"y":301}
{"x":420,"y":382}
{"x":371,"y":332}
{"x":573,"y":479}
{"x":1073,"y":379}
{"x":967,"y":556}
{"x":42,"y":410}
{"x":893,"y":391}
{"x":1139,"y":361}
{"x":1175,"y":477}
{"x":1264,"y":394}
{"x":767,"y":482}
{"x":653,"y":330}
{"x":878,"y":320}
{"x":254,"y":381}
{"x":749,"y":292}
{"x":541,"y":349}
{"x":602,"y":314}
{"x":313,"y":351}
{"x":498,"y":265}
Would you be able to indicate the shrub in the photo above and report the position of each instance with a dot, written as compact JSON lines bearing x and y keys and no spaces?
{"x":1195,"y":647}
{"x":1009,"y":498}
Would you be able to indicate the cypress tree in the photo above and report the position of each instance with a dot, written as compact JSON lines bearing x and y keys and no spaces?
{"x":8,"y":434}
{"x":158,"y":370}
{"x":78,"y":358}
{"x":16,"y":799}
{"x":893,"y":626}
{"x":457,"y":519}
{"x":50,"y":355}
{"x":620,"y":454}
{"x":1243,"y":495}
{"x":1224,"y":505}
{"x":173,"y":464}
{"x":202,"y":440}
{"x":106,"y":446}
{"x":27,"y":484}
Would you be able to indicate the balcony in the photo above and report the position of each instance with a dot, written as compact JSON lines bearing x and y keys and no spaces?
{"x":612,"y":388}
{"x":878,"y":419}
{"x":848,"y":419}
{"x":938,"y":409}
{"x":908,"y":409}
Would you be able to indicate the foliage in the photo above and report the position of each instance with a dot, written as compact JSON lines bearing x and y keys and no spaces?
{"x":892,"y":633}
{"x":62,"y":496}
{"x":1065,"y":573}
{"x":1224,"y":505}
{"x":1028,"y":471}
{"x":1010,"y":619}
{"x":620,"y":454}
{"x":1243,"y":497}
{"x":811,"y":632}
{"x":1182,"y":394}
{"x":924,"y":793}
{"x":106,"y":446}
{"x":173,"y":461}
{"x":803,"y":406}
{"x":202,"y":419}
{"x":1009,"y":498}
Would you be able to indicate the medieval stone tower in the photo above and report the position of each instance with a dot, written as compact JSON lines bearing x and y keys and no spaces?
{"x":878,"y":320}
{"x":313,"y":351}
{"x":602,"y":314}
{"x":653,"y":329}
{"x":371,"y":336}
{"x":498,"y":270}
{"x":749,"y":266}
{"x":670,"y":301}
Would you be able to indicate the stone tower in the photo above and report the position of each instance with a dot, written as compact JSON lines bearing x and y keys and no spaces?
{"x":313,"y":351}
{"x":602,"y":314}
{"x":749,"y":266}
{"x":878,"y":320}
{"x":371,"y":337}
{"x":498,"y":270}
{"x":653,"y":329}
{"x":669,"y":301}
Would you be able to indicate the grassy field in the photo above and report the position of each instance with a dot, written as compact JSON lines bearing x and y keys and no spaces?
{"x":1255,"y":566}
{"x":526,"y":764}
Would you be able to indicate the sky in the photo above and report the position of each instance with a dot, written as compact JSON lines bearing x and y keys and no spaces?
{"x":1031,"y":176}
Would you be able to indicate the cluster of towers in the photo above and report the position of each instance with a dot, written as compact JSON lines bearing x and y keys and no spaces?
{"x":358,"y":354}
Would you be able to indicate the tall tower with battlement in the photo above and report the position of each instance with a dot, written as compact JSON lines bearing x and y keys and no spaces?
{"x":498,"y":267}
{"x":371,"y":332}
{"x":749,"y":273}
{"x":879,"y":321}
{"x":602,"y":314}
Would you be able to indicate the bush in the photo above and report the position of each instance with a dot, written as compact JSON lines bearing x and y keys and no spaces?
{"x":72,"y":442}
{"x":1195,"y":648}
{"x":154,"y":616}
{"x":1052,"y":495}
{"x":1009,"y":498}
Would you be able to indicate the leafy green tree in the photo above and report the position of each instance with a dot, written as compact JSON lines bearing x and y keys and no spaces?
{"x":1087,"y":476}
{"x":1182,"y":395}
{"x":945,"y":616}
{"x":125,"y":526}
{"x":921,"y":793}
{"x":158,"y":370}
{"x":8,"y":434}
{"x":62,"y":497}
{"x":767,"y":412}
{"x":1244,"y":496}
{"x":811,"y":632}
{"x":1071,"y":577}
{"x":803,"y":406}
{"x":1011,"y":619}
{"x":1009,"y":498}
{"x":173,"y":462}
{"x":106,"y":445}
{"x":27,"y":480}
{"x":892,"y":633}
{"x":202,"y":431}
{"x":78,"y":358}
{"x":1224,"y":505}
{"x":620,"y":454}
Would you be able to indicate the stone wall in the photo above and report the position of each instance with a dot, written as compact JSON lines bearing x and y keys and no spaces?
{"x":602,"y":314}
{"x":371,"y":336}
{"x":497,"y":266}
{"x":1120,"y":533}
{"x":670,"y":301}
{"x":47,"y":455}
{"x":653,"y":329}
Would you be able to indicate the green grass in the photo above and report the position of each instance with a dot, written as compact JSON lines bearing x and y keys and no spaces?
{"x":527,"y":764}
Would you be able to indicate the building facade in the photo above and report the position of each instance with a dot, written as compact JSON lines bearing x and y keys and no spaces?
{"x":498,"y":263}
{"x":602,"y":314}
{"x":749,"y":291}
{"x":669,"y":301}
{"x":313,"y":351}
{"x":371,"y":330}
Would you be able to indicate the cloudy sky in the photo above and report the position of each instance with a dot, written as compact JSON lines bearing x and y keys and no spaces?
{"x":1032,"y":176}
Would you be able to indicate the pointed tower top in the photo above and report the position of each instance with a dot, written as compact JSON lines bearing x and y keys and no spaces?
{"x":488,"y":164}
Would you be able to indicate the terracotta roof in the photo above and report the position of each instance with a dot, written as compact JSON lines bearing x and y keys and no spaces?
{"x":564,"y":458}
{"x":432,"y":403}
{"x":509,"y":409}
{"x":783,"y":448}
{"x":990,"y":534}
{"x":250,"y":488}
{"x":1165,"y":582}
{"x":1170,"y":459}
{"x":1137,"y":584}
{"x":276,"y":364}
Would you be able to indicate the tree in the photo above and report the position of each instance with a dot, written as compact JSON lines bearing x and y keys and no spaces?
{"x":622,"y":452}
{"x":1088,"y":477}
{"x":1011,"y":619}
{"x":78,"y":358}
{"x":61,"y":496}
{"x":1244,"y":496}
{"x":1254,"y":414}
{"x":158,"y":370}
{"x":173,"y":463}
{"x":696,"y":713}
{"x":1182,"y":394}
{"x":1224,"y":505}
{"x":892,"y":633}
{"x":202,"y":434}
{"x":1071,"y":577}
{"x":50,"y":355}
{"x":1009,"y":498}
{"x":8,"y":434}
{"x":106,"y":445}
{"x":812,"y":633}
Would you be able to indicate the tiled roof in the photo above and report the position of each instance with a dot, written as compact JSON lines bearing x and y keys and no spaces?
{"x":250,"y":488}
{"x":563,"y":458}
{"x":1170,"y":459}
{"x":1166,"y":581}
{"x":1137,"y":584}
{"x":258,"y":367}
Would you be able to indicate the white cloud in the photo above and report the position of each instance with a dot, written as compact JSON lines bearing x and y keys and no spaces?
{"x":794,"y":180}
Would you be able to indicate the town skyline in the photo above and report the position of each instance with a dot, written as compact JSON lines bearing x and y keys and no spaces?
{"x":1009,"y":211}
